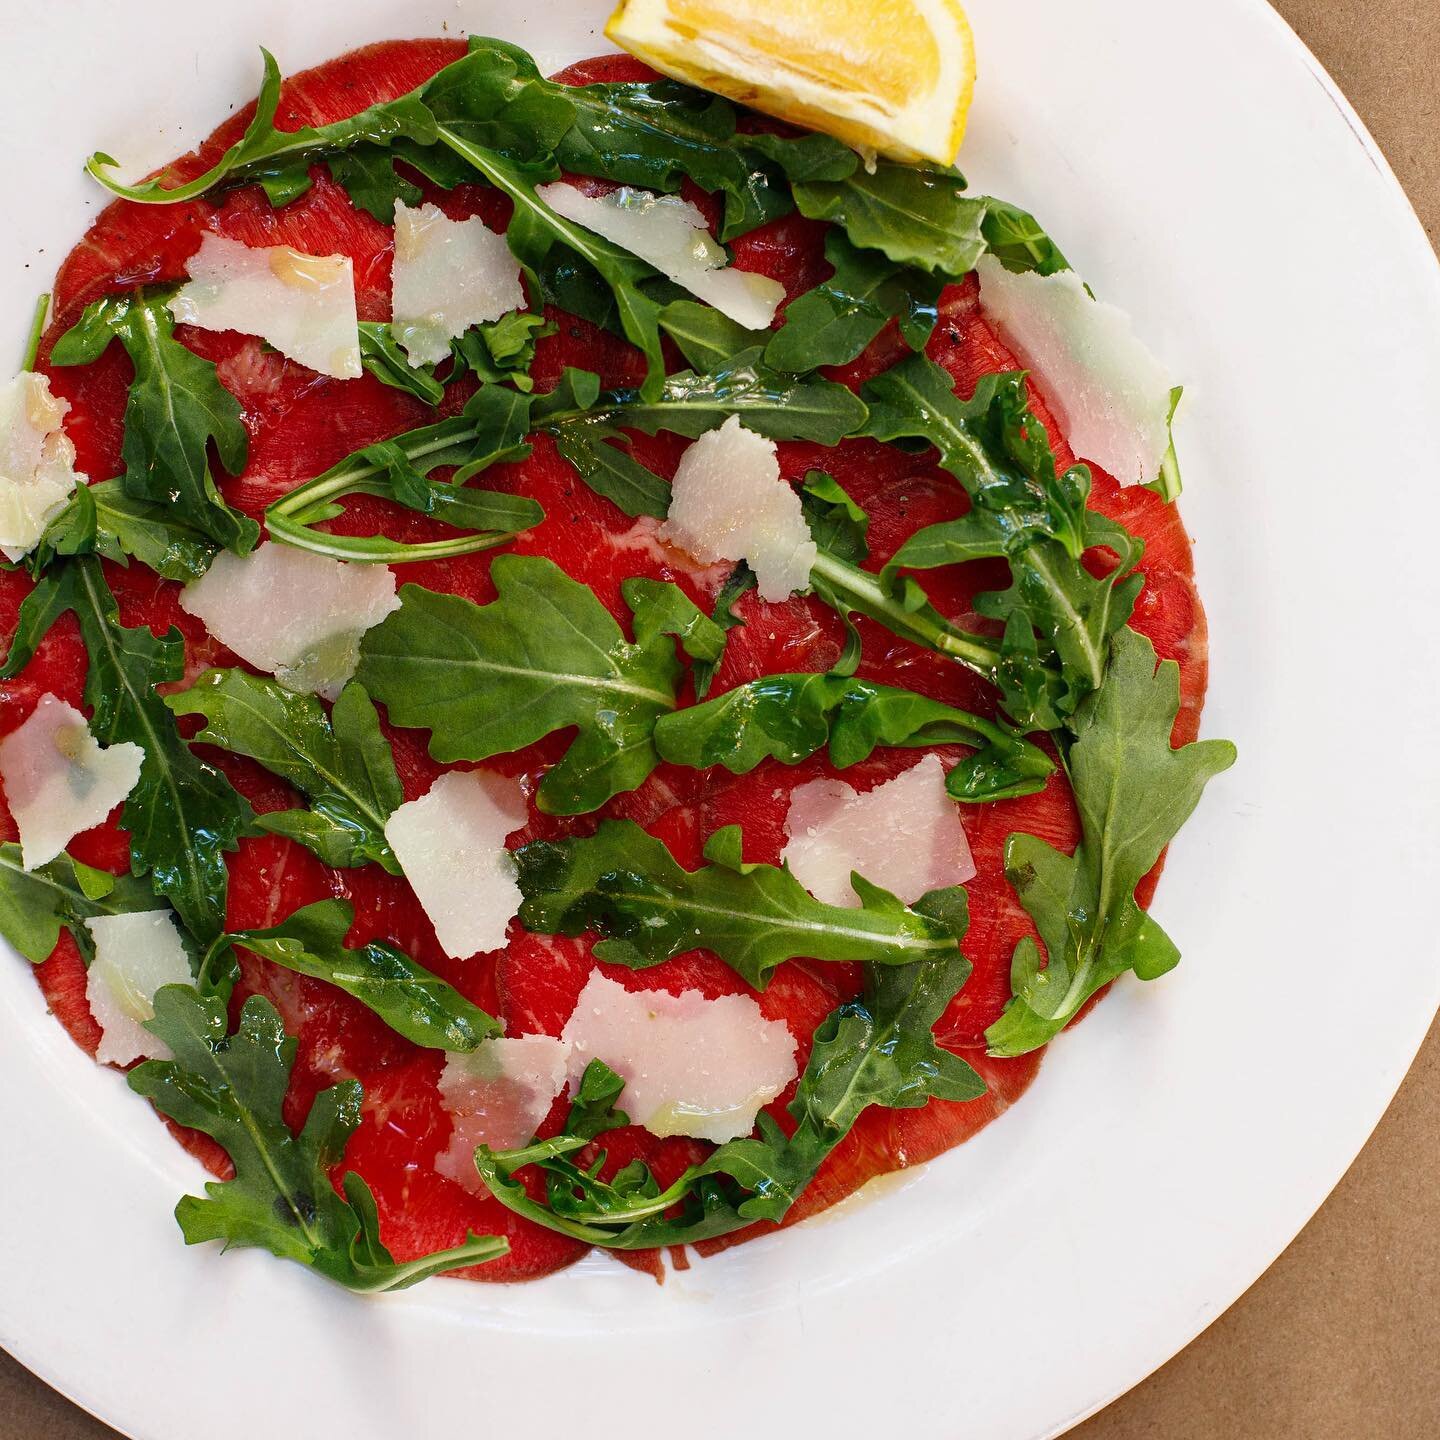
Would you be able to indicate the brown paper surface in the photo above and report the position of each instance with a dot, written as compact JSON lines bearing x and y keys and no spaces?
{"x":1340,"y":1340}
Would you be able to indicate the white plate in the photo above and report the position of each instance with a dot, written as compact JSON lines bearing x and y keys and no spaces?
{"x":1201,"y":171}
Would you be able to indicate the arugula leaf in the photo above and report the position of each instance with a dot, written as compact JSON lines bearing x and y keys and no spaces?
{"x":182,"y":814}
{"x":494,"y":352}
{"x":34,"y":904}
{"x":705,"y":337}
{"x":340,"y":762}
{"x":490,"y":429}
{"x":544,"y":656}
{"x":834,"y":322}
{"x":279,"y":159}
{"x":1030,"y":689}
{"x":1133,"y":792}
{"x":1017,"y":240}
{"x":1167,"y":484}
{"x":535,"y":230}
{"x":593,"y":1112}
{"x":232,"y":1088}
{"x":780,"y":407}
{"x":411,"y":1000}
{"x":381,"y":355}
{"x":584,"y":420}
{"x":101,"y":519}
{"x":880,"y":1050}
{"x":740,"y":580}
{"x":789,"y":717}
{"x":612,"y":472}
{"x":368,"y":175}
{"x":503,"y":349}
{"x":1021,"y":510}
{"x":176,"y":407}
{"x":915,"y":216}
{"x":624,"y":883}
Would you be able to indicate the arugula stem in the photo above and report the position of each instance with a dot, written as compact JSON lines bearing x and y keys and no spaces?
{"x":477,"y":1251}
{"x":376,"y":549}
{"x":37,"y":330}
{"x":870,"y":598}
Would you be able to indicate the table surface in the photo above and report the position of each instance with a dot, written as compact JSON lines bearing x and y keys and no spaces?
{"x":1337,"y":1341}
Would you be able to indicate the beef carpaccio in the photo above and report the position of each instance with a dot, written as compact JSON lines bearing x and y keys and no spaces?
{"x":299,"y":423}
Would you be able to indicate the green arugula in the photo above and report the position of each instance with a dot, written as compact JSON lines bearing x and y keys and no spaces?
{"x":584,"y":421}
{"x":31,"y":353}
{"x":278,"y":159}
{"x":411,"y":1000}
{"x":914,"y":216}
{"x":490,"y":429}
{"x":592,"y":1111}
{"x":1133,"y":792}
{"x":834,"y":322}
{"x":182,"y":814}
{"x":879,"y":1050}
{"x":625,"y":884}
{"x":705,"y":337}
{"x":740,"y":580}
{"x":102,"y":519}
{"x":232,"y":1087}
{"x":544,"y":656}
{"x":497,"y":351}
{"x":1020,"y":510}
{"x":341,"y":762}
{"x":789,"y":717}
{"x":1016,"y":239}
{"x":35,"y":904}
{"x":176,"y":407}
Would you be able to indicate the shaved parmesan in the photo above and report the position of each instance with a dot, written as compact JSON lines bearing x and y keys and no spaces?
{"x":1111,"y":395}
{"x":37,"y":462}
{"x":448,"y":275}
{"x":670,"y":234}
{"x":304,"y":305}
{"x":691,"y":1065}
{"x":904,"y":836}
{"x":497,"y":1095}
{"x":296,"y":614}
{"x":728,"y":502}
{"x":58,"y":780}
{"x":451,"y":845}
{"x":135,"y":955}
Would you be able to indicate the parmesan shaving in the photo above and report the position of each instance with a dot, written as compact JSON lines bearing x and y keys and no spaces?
{"x":905,"y":836}
{"x":304,"y":305}
{"x":728,"y":502}
{"x":451,"y":845}
{"x":59,"y":782}
{"x":298,"y":615}
{"x":691,"y":1065}
{"x":670,"y":234}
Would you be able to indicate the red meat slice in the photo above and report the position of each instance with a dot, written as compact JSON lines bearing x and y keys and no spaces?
{"x":300,"y":423}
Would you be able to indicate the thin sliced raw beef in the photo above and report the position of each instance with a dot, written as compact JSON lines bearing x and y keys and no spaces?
{"x":299,"y":424}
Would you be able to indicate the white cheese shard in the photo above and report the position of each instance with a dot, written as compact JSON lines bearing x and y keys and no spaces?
{"x":135,"y":955}
{"x":905,"y":836}
{"x":304,"y":305}
{"x":670,"y":234}
{"x":59,"y":781}
{"x":298,"y":615}
{"x":497,"y":1095}
{"x":691,"y":1066}
{"x":37,"y":462}
{"x":448,"y":275}
{"x":451,"y":845}
{"x":1110,"y":394}
{"x":728,"y":502}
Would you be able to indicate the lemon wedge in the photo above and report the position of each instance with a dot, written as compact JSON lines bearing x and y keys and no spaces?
{"x":890,"y":76}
